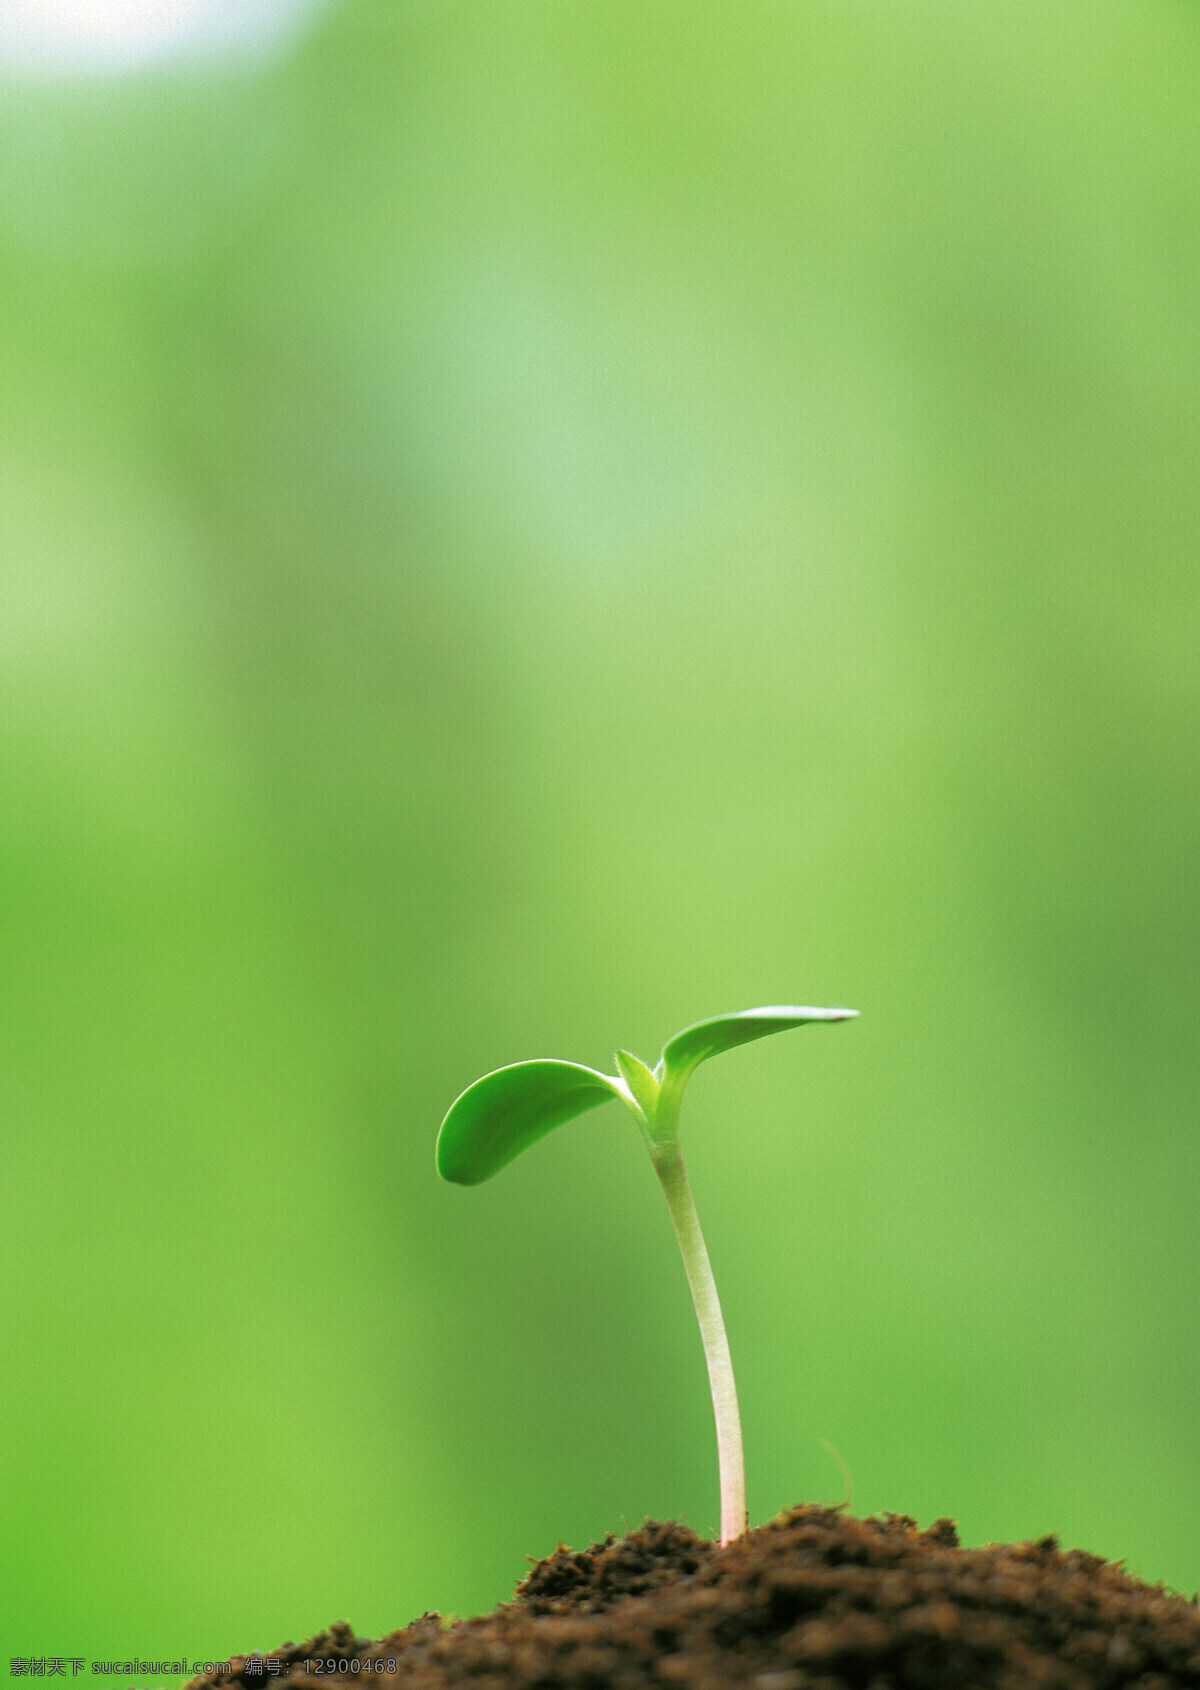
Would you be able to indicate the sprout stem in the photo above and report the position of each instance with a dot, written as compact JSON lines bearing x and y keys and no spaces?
{"x":668,"y":1165}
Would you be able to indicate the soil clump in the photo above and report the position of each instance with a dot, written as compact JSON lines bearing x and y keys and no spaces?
{"x":814,"y":1600}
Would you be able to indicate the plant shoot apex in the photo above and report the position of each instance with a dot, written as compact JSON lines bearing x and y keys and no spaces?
{"x":642,"y":1082}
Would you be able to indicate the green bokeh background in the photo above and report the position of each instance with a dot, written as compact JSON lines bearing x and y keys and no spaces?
{"x":525,"y":525}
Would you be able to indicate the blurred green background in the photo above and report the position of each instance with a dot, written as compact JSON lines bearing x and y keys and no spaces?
{"x":525,"y":525}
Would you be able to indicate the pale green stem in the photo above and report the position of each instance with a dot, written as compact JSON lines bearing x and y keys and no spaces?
{"x":668,"y":1165}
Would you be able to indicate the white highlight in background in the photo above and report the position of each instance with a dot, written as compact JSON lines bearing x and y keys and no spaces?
{"x":59,"y":38}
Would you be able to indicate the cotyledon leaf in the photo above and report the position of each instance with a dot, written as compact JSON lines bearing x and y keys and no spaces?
{"x":697,"y":1043}
{"x":510,"y":1109}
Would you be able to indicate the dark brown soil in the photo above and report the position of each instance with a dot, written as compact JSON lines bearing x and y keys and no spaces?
{"x":815,"y":1600}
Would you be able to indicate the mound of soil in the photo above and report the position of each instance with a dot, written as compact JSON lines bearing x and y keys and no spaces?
{"x":815,"y":1600}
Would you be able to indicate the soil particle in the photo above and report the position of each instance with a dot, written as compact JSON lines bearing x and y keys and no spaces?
{"x":815,"y":1600}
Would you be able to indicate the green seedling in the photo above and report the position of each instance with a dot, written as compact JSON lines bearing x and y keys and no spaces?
{"x":508,"y":1110}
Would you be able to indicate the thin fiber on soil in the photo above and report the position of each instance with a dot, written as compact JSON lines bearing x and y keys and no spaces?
{"x":815,"y":1600}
